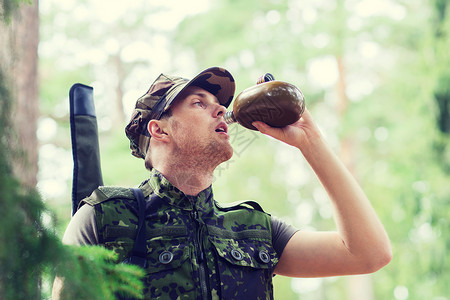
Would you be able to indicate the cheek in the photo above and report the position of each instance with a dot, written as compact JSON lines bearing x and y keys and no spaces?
{"x":190,"y":127}
{"x":185,"y":132}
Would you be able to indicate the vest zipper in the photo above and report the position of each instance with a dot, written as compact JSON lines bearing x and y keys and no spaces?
{"x":199,"y":250}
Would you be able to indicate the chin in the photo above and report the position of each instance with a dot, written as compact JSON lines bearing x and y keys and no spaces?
{"x":219,"y":153}
{"x":225,"y":155}
{"x":228,"y":153}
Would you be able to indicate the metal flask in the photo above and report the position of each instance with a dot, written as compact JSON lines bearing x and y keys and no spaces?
{"x":273,"y":102}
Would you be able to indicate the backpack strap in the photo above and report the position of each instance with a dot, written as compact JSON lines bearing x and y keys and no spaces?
{"x":138,"y":255}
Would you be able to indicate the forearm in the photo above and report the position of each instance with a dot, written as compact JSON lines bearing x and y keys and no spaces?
{"x":358,"y":225}
{"x":360,"y":244}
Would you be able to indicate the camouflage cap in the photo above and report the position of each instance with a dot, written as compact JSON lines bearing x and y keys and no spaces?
{"x":161,"y":95}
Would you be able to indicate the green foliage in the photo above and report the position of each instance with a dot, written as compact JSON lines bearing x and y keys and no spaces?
{"x":5,"y":129}
{"x":101,"y":277}
{"x":439,"y":65}
{"x":8,"y":7}
{"x":397,"y":130}
{"x":27,"y":245}
{"x":115,"y":155}
{"x":400,"y":155}
{"x":32,"y":252}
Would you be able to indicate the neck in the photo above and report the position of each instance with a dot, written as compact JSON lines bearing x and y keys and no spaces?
{"x":190,"y":180}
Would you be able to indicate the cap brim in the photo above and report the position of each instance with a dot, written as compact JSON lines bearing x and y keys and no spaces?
{"x":218,"y":81}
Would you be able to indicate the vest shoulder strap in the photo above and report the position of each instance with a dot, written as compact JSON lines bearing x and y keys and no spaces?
{"x":104,"y":193}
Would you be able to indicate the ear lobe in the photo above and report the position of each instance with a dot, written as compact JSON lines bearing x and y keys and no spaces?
{"x":156,"y":130}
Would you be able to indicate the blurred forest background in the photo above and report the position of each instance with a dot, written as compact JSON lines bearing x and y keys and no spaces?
{"x":375,"y":75}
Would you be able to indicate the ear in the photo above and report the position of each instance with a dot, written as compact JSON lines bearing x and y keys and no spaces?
{"x":156,"y":128}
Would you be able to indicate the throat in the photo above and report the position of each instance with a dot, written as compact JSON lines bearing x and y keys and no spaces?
{"x":190,"y":182}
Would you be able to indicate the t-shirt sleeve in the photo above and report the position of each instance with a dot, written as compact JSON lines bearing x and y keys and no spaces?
{"x":281,"y":234}
{"x":82,"y":229}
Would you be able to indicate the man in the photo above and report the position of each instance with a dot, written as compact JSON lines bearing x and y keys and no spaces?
{"x":200,"y":250}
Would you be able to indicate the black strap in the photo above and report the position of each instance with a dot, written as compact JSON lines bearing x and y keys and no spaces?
{"x":233,"y":206}
{"x":139,"y":253}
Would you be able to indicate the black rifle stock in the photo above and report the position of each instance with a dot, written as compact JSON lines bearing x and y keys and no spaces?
{"x":87,"y":174}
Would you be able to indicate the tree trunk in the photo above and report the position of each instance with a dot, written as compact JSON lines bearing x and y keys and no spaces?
{"x":20,"y":59}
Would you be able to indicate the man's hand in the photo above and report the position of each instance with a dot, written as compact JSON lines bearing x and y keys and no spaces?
{"x":297,"y":134}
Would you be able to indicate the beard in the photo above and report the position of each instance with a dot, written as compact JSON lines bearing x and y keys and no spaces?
{"x":196,"y":152}
{"x":207,"y":156}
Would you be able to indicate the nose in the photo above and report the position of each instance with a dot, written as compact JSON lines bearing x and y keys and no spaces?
{"x":220,"y":111}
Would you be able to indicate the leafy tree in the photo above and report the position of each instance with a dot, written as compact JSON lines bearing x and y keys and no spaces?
{"x":391,"y":68}
{"x":31,"y":252}
{"x":441,"y":42}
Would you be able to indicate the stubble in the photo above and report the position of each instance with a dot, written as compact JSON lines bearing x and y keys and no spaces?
{"x":192,"y":151}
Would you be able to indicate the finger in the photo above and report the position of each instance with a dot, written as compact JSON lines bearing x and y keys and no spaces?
{"x":268,"y":130}
{"x":261,"y":126}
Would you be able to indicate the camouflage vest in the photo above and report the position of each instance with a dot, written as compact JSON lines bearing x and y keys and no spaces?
{"x":196,"y":249}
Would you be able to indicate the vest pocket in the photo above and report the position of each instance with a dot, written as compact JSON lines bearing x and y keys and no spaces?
{"x":166,"y":254}
{"x":245,"y":267}
{"x":169,"y":271}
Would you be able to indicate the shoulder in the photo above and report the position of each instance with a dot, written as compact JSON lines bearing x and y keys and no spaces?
{"x":82,"y":229}
{"x":115,"y":211}
{"x":282,"y":232}
{"x":244,"y":215}
{"x":105,"y":193}
{"x":111,"y":203}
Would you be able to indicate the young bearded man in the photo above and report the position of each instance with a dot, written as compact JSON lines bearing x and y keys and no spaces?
{"x":195,"y":247}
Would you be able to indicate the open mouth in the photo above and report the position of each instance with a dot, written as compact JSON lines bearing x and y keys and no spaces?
{"x":222,"y":128}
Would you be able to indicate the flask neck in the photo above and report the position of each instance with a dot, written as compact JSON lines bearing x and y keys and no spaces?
{"x":229,"y":117}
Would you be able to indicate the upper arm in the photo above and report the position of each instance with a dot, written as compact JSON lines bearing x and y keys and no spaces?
{"x":318,"y":254}
{"x":82,"y":229}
